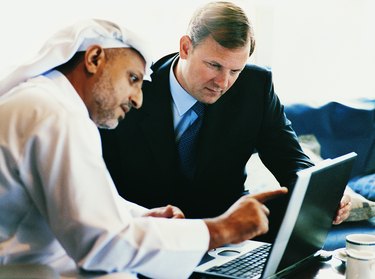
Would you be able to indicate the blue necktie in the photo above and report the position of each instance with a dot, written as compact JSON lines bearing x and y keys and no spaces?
{"x":186,"y":145}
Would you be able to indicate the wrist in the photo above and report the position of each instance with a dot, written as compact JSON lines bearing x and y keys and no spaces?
{"x":217,"y":231}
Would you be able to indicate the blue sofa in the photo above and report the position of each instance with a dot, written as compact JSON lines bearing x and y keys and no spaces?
{"x":342,"y":127}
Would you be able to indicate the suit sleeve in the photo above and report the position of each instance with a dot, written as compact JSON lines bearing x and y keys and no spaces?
{"x":278,"y":146}
{"x":281,"y":153}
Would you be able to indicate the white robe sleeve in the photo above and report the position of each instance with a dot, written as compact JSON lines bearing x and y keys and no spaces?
{"x":72,"y":190}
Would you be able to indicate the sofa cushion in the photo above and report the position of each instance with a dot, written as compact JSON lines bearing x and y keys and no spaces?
{"x":364,"y":185}
{"x":260,"y":179}
{"x":340,"y":127}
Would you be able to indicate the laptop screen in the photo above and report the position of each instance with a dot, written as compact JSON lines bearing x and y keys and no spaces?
{"x":308,"y":218}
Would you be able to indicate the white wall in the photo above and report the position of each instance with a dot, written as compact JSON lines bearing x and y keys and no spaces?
{"x":25,"y":25}
{"x":316,"y":48}
{"x":324,"y":49}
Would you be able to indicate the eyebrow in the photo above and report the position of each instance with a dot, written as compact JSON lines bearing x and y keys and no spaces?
{"x":219,"y":64}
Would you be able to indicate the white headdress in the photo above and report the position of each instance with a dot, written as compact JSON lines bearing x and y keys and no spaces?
{"x":61,"y":47}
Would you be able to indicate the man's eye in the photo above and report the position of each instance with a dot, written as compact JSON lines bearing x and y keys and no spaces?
{"x":134,"y":78}
{"x":213,"y":65}
{"x":235,"y":72}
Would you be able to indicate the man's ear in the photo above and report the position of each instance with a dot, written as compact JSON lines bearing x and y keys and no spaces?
{"x":94,"y":58}
{"x":186,"y":46}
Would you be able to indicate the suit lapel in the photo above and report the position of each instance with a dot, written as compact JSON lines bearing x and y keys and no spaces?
{"x":157,"y":123}
{"x":218,"y":116}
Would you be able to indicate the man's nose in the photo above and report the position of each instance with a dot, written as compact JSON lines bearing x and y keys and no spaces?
{"x":136,"y":99}
{"x":222,"y":79}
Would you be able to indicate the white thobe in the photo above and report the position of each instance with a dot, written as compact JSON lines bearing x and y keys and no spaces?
{"x":58,"y":204}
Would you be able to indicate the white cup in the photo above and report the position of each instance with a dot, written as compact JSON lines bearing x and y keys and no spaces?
{"x":360,"y":242}
{"x":360,"y":264}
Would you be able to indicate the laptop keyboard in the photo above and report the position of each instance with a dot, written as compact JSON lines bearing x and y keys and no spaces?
{"x":248,"y":265}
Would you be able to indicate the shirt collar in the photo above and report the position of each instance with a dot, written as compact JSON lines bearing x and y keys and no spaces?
{"x":182,"y":100}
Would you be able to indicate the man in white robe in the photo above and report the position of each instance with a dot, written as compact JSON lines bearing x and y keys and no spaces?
{"x":58,"y":204}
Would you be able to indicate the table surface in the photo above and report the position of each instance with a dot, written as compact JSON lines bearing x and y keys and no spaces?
{"x":332,"y":269}
{"x":315,"y":269}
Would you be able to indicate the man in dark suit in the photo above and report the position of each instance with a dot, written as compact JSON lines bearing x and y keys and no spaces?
{"x":242,"y":115}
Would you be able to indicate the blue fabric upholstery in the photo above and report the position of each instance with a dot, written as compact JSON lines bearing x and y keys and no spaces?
{"x":340,"y":128}
{"x":364,"y":185}
{"x":336,"y":237}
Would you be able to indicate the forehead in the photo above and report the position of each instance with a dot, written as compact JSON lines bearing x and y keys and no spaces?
{"x":128,"y":58}
{"x":210,"y":50}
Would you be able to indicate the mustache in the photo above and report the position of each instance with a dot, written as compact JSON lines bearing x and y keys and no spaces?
{"x":126,"y":107}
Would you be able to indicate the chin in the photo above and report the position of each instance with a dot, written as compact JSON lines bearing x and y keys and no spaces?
{"x":108,"y":125}
{"x":113,"y":125}
{"x":211,"y":100}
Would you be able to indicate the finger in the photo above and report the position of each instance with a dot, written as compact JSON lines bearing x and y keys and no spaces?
{"x":265,"y":196}
{"x":345,"y":200}
{"x":265,"y":210}
{"x":337,"y":221}
{"x":349,"y":206}
{"x":165,"y":212}
{"x":345,"y":209}
{"x":342,"y":215}
{"x":341,"y":218}
{"x":150,"y":214}
{"x":168,"y":211}
{"x":178,"y":214}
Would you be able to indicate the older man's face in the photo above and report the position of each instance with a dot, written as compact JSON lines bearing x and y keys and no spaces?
{"x":117,"y":89}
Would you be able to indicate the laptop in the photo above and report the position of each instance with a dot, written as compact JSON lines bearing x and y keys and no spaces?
{"x":301,"y":236}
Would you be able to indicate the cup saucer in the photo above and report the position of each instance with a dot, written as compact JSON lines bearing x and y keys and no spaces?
{"x":340,"y":254}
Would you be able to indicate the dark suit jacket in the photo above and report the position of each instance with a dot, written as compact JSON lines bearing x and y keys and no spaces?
{"x":142,"y":158}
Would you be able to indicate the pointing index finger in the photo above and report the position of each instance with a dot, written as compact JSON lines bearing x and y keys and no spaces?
{"x":265,"y":196}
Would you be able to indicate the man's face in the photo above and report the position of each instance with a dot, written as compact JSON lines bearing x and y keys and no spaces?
{"x":209,"y":70}
{"x":117,"y":89}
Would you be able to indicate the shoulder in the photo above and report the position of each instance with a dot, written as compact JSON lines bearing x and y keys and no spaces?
{"x":254,"y":76}
{"x":160,"y":74}
{"x":38,"y":100}
{"x":34,"y":94}
{"x":164,"y":61}
{"x":259,"y":71}
{"x":162,"y":65}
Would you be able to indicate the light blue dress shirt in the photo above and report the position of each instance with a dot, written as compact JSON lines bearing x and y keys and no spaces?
{"x":183,"y":116}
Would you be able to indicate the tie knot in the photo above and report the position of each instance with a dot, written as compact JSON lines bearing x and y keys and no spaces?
{"x":198,"y":108}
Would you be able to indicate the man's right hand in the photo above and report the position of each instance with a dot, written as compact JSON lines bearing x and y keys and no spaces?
{"x":245,"y":219}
